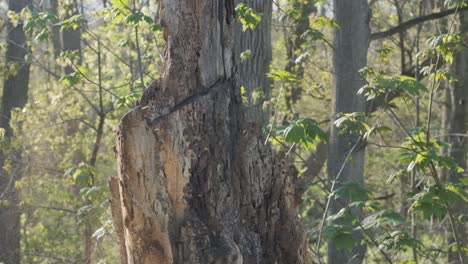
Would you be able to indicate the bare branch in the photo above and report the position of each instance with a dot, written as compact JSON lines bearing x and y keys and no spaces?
{"x":414,"y":22}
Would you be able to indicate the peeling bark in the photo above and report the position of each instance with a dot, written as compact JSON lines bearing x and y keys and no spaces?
{"x":196,"y":183}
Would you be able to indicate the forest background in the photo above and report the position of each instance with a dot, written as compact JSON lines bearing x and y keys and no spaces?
{"x":390,"y":109}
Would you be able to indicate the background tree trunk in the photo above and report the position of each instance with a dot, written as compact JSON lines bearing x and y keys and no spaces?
{"x":71,"y":38}
{"x":56,"y":39}
{"x":196,"y":184}
{"x":252,"y":72}
{"x":295,"y":46}
{"x":351,"y":43}
{"x":456,"y":119}
{"x":15,"y":94}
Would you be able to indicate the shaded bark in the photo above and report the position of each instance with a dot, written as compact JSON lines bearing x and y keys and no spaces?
{"x":15,"y":95}
{"x":456,"y":119}
{"x":351,"y":43}
{"x":196,"y":184}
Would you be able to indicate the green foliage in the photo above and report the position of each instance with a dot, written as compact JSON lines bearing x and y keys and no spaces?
{"x":379,"y":84}
{"x":283,"y":76}
{"x":444,"y":45}
{"x":37,"y":24}
{"x":421,"y":154}
{"x":433,"y":201}
{"x":128,"y":99}
{"x":304,"y":131}
{"x":73,"y":22}
{"x":247,"y":17}
{"x":398,"y":240}
{"x":354,"y":191}
{"x":82,"y":175}
{"x":384,"y":53}
{"x":352,"y":123}
{"x":341,"y":235}
{"x":382,"y":218}
{"x":245,"y":55}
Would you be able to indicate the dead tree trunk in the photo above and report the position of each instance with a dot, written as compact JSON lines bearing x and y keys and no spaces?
{"x":351,"y":43}
{"x":15,"y":94}
{"x":196,"y":183}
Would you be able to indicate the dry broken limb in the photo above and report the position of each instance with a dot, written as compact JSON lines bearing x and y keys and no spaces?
{"x":199,"y":185}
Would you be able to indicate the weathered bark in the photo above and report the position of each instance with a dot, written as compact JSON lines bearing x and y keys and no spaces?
{"x":15,"y":94}
{"x":196,"y":183}
{"x":351,"y":43}
{"x":456,"y":119}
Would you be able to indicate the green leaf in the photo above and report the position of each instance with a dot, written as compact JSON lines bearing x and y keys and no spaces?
{"x":280,"y":75}
{"x":82,"y":175}
{"x":245,"y":55}
{"x":303,"y":131}
{"x":73,"y":22}
{"x":128,"y":99}
{"x":247,"y":17}
{"x":352,"y":123}
{"x":433,"y":201}
{"x":71,"y":79}
{"x":398,"y":240}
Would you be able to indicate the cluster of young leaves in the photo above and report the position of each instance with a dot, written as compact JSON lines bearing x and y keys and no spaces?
{"x":435,"y":199}
{"x":35,"y":24}
{"x":304,"y":132}
{"x":421,"y":154}
{"x":444,"y":45}
{"x":379,"y":84}
{"x":315,"y":31}
{"x":82,"y":175}
{"x":247,"y":16}
{"x":356,"y":124}
{"x":121,"y":11}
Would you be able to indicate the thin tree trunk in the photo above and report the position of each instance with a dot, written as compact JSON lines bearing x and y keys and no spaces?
{"x":15,"y":94}
{"x":71,"y":41}
{"x":456,"y":119}
{"x":56,"y":40}
{"x":351,"y":43}
{"x":294,"y":47}
{"x":196,"y":184}
{"x":71,"y":38}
